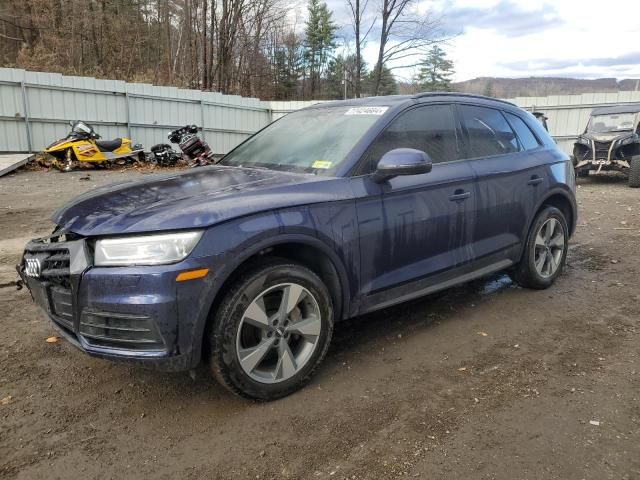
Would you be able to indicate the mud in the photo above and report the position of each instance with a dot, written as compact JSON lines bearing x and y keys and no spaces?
{"x":484,"y":381}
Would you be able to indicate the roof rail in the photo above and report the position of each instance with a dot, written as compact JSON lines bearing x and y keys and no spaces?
{"x":458,"y":94}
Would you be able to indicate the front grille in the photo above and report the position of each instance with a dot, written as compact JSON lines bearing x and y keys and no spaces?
{"x":47,"y":267}
{"x":53,"y":265}
{"x":116,"y":330}
{"x":601,"y":150}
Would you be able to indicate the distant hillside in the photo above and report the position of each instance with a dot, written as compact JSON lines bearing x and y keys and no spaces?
{"x":542,"y":86}
{"x":536,"y":86}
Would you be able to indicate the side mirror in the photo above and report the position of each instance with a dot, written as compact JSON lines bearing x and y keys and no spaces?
{"x":402,"y":161}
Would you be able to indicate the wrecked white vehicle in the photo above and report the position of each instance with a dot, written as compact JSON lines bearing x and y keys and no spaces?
{"x":611,"y":142}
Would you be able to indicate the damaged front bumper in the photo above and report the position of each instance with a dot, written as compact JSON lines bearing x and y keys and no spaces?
{"x":130,"y":314}
{"x":601,"y":156}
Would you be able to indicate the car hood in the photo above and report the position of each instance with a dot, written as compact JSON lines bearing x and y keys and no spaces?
{"x":198,"y":198}
{"x":607,"y":137}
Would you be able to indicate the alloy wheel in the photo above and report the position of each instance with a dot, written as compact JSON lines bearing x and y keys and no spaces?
{"x":278,"y":333}
{"x":549,"y":247}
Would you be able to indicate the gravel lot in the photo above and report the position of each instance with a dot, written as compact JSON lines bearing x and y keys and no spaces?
{"x":485,"y":381}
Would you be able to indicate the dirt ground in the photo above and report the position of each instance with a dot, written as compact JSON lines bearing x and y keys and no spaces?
{"x":485,"y":381}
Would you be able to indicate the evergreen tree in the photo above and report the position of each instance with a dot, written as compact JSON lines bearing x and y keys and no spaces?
{"x":288,"y":63}
{"x":320,"y":41}
{"x":342,"y":70}
{"x":435,"y":71}
{"x":387,"y":85}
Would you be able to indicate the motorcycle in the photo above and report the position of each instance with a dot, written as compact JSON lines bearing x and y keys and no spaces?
{"x":195,"y":149}
{"x":164,"y":155}
{"x":83,"y":145}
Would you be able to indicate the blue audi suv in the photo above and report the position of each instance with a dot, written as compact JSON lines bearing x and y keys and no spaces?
{"x":333,"y":211}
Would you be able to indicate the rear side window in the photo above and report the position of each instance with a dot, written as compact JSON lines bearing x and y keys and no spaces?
{"x":429,"y":128}
{"x":489,"y":132}
{"x":526,"y":136}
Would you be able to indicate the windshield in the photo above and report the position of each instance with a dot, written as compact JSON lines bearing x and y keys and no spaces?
{"x":611,"y":123}
{"x":315,"y":140}
{"x":81,"y":127}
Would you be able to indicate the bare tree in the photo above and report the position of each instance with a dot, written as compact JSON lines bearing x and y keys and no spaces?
{"x":358,"y":9}
{"x":404,"y":35}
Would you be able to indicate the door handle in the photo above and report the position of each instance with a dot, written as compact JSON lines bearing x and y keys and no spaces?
{"x":459,"y":195}
{"x":535,"y":180}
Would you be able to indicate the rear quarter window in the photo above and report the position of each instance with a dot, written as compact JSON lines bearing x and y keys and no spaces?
{"x":489,"y":132}
{"x":527,"y":139}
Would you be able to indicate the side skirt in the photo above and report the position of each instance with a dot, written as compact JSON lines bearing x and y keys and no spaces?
{"x":433,"y":284}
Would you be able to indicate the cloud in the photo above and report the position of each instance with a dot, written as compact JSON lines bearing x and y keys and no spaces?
{"x":621,"y":62}
{"x":506,"y":17}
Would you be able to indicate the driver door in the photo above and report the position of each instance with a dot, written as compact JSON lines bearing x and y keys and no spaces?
{"x":414,"y":229}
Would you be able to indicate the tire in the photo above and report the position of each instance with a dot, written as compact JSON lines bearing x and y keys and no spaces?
{"x":545,"y":251}
{"x":634,"y":172}
{"x":255,"y":358}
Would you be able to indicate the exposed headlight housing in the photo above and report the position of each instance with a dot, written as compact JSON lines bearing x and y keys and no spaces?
{"x":628,"y":140}
{"x":156,"y":249}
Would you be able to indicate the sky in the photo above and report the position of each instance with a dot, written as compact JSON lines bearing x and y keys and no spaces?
{"x":518,"y":38}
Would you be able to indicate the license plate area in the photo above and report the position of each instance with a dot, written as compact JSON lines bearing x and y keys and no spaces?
{"x":40,"y":294}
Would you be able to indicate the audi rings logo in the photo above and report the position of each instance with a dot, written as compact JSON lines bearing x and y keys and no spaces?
{"x":32,"y":267}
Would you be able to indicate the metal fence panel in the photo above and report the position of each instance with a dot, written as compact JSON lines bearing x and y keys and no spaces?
{"x":35,"y":109}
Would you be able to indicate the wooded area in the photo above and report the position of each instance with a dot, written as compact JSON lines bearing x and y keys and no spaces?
{"x":247,"y":47}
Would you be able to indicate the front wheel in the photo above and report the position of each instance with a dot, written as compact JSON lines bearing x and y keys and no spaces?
{"x":271,"y":331}
{"x":634,"y":172}
{"x":545,"y":250}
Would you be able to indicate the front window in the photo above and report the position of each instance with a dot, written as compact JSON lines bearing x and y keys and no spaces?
{"x":611,"y":123}
{"x":430,"y":128}
{"x":316,"y":141}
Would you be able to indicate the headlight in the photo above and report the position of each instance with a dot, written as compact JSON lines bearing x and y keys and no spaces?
{"x":584,"y":141}
{"x":145,"y":250}
{"x":627,"y":140}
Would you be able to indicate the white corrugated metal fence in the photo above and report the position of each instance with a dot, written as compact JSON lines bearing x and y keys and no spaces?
{"x":36,"y":108}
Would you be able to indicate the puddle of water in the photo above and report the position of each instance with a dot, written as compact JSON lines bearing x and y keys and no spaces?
{"x":496,"y":284}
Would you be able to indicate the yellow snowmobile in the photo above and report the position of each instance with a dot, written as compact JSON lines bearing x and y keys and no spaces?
{"x":83,"y":145}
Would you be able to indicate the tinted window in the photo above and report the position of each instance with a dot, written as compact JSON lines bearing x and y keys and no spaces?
{"x":429,"y":128}
{"x":527,"y":139}
{"x":489,"y":132}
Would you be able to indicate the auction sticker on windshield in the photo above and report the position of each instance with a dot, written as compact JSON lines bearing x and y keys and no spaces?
{"x":321,"y":164}
{"x":366,"y":111}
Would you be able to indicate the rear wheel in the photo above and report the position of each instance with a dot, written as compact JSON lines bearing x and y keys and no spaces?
{"x":634,"y":172}
{"x":271,"y":331}
{"x":545,"y":250}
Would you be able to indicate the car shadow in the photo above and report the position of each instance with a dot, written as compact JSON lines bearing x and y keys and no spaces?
{"x":415,"y":314}
{"x":362,"y":333}
{"x":606,"y":178}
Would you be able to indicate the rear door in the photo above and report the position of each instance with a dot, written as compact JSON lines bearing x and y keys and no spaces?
{"x":504,"y":155}
{"x":414,"y":227}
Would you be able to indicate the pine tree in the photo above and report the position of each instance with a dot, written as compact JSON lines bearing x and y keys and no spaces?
{"x":387,"y":85}
{"x":320,"y":41}
{"x":342,"y":70}
{"x":435,"y":71}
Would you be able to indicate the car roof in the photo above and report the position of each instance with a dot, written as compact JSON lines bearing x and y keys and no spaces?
{"x":395,"y":100}
{"x":628,"y":108}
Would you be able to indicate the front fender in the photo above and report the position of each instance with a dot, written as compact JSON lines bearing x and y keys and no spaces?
{"x":230,"y":244}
